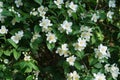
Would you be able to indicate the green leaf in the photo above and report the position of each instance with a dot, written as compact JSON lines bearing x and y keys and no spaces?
{"x":1,"y":52}
{"x":28,"y":70}
{"x":33,"y":66}
{"x":79,"y":54}
{"x":77,"y":65}
{"x":6,"y":13}
{"x":39,"y":1}
{"x":100,"y":36}
{"x":8,"y":52}
{"x":74,"y":16}
{"x":50,"y":46}
{"x":34,"y":45}
{"x":102,"y":15}
{"x":30,"y":77}
{"x":16,"y":54}
{"x":98,"y":65}
{"x":12,"y":43}
{"x":37,"y":28}
{"x":118,"y":37}
{"x":92,"y":61}
{"x":93,"y":40}
{"x":94,"y":70}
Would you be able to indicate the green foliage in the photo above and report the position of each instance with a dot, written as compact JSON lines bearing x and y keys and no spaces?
{"x":49,"y":40}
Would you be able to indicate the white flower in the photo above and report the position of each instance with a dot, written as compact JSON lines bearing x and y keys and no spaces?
{"x":71,"y":60}
{"x":69,"y":76}
{"x":85,"y":29}
{"x":66,"y":26}
{"x":102,"y":49}
{"x":1,"y":4}
{"x":26,"y":57}
{"x":3,"y":30}
{"x":1,"y":10}
{"x":73,"y":76}
{"x":109,"y":14}
{"x":107,"y":67}
{"x":86,"y":35}
{"x":17,"y":36}
{"x":35,"y":36}
{"x":73,"y":6}
{"x":45,"y":23}
{"x":63,"y":50}
{"x":81,"y":42}
{"x":112,"y":3}
{"x":80,"y":45}
{"x":114,"y":71}
{"x":102,"y":52}
{"x":70,"y":12}
{"x":86,"y":32}
{"x":42,"y":11}
{"x":6,"y":61}
{"x":59,"y":3}
{"x":18,"y":3}
{"x":99,"y":76}
{"x":95,"y":17}
{"x":2,"y":18}
{"x":51,"y":37}
{"x":34,"y":13}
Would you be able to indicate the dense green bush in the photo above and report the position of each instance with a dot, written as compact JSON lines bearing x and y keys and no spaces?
{"x":59,"y":39}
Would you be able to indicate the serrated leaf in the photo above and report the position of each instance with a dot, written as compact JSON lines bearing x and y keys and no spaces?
{"x":16,"y":54}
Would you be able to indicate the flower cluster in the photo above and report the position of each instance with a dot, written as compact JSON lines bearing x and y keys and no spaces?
{"x":66,"y":26}
{"x":63,"y":50}
{"x":73,"y":76}
{"x":86,"y":33}
{"x":41,"y":11}
{"x":80,"y":45}
{"x":45,"y":23}
{"x":102,"y":52}
{"x":72,"y":8}
{"x":59,"y":3}
{"x":18,"y":3}
{"x":17,"y":37}
{"x":99,"y":76}
{"x":113,"y":69}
